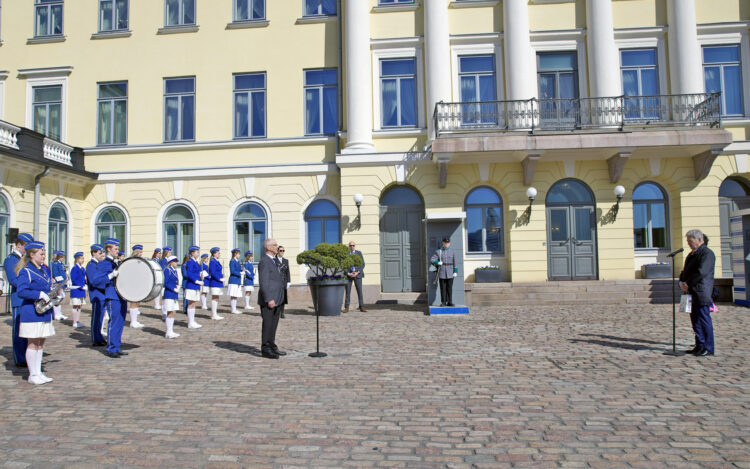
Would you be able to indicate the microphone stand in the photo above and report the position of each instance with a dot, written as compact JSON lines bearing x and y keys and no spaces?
{"x":674,"y":312}
{"x":317,"y":353}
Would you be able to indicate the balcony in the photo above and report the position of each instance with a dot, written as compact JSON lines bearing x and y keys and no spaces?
{"x":618,"y":112}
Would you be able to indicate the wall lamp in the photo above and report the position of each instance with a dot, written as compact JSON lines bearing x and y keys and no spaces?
{"x":531,"y":194}
{"x":358,"y":198}
{"x":619,"y":192}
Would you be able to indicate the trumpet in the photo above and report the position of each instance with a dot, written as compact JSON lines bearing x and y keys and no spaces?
{"x":55,"y":298}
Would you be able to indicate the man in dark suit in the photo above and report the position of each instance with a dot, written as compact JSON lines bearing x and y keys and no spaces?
{"x":287,"y":276}
{"x":697,"y":278}
{"x":355,"y":276}
{"x":270,"y":297}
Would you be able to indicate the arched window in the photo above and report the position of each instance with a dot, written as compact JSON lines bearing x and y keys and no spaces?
{"x":569,"y":192}
{"x":111,"y":224}
{"x":323,"y":223}
{"x":400,"y":195}
{"x":484,"y":220}
{"x":250,"y":224}
{"x":4,"y":225}
{"x":58,"y":229}
{"x":650,"y":216}
{"x":179,"y":229}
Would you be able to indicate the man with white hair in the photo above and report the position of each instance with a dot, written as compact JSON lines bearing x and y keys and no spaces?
{"x":697,"y":278}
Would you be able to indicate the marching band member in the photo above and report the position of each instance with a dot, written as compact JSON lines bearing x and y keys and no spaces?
{"x":33,"y":284}
{"x":134,"y":307}
{"x":234,"y":288}
{"x":205,"y":289}
{"x":171,"y":295}
{"x":183,"y":270}
{"x":215,"y":281}
{"x":114,"y":305}
{"x":19,"y":343}
{"x":78,"y":288}
{"x":166,"y":252}
{"x":193,"y":283}
{"x":96,"y":296}
{"x":157,"y":257}
{"x":249,"y":278}
{"x":59,"y":275}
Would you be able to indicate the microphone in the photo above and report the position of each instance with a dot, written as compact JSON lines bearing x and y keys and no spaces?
{"x":672,"y":254}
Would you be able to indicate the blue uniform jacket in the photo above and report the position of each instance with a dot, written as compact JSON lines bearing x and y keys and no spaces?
{"x":32,"y":281}
{"x":101,"y":279}
{"x":163,"y":263}
{"x":249,"y":274}
{"x":10,"y":273}
{"x":94,"y":293}
{"x":215,"y":274}
{"x":58,"y":271}
{"x":78,"y":279}
{"x":192,"y":274}
{"x":183,"y":269}
{"x":235,"y":272}
{"x":170,"y":284}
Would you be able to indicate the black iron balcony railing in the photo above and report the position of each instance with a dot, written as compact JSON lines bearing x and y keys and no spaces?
{"x":701,"y":109}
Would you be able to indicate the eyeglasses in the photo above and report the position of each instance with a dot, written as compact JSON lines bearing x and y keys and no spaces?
{"x":282,"y":250}
{"x":352,"y":245}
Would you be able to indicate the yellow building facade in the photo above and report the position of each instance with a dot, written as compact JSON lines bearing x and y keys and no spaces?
{"x":220,"y":123}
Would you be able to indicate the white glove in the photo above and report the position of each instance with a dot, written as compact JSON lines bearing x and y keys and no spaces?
{"x":440,"y":262}
{"x":199,"y":282}
{"x":43,"y":296}
{"x":85,"y":287}
{"x":455,"y":275}
{"x":288,"y":284}
{"x":113,"y":274}
{"x":221,"y":280}
{"x":203,"y":273}
{"x":177,"y":289}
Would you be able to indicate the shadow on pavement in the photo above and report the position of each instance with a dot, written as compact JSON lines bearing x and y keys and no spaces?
{"x":7,"y":353}
{"x":611,"y":343}
{"x":625,"y":339}
{"x":239,"y":348}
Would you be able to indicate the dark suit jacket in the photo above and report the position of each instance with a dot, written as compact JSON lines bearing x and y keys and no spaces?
{"x":272,"y":285}
{"x":361,"y":268}
{"x":285,"y":270}
{"x":698,"y":273}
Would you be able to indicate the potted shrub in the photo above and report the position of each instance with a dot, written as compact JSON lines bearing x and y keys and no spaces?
{"x":487,"y":274}
{"x":328,"y":264}
{"x":656,"y":270}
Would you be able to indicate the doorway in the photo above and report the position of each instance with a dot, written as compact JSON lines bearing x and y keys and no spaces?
{"x":402,"y":267}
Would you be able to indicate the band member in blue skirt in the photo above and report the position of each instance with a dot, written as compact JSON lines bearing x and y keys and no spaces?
{"x":215,"y":281}
{"x":33,"y":284}
{"x":96,"y":296}
{"x":166,"y":252}
{"x":171,"y":295}
{"x":58,"y":275}
{"x":19,"y":343}
{"x":193,"y":284}
{"x":157,"y":257}
{"x":249,"y":280}
{"x":77,"y":288}
{"x":114,"y":305}
{"x":205,"y":288}
{"x":234,"y":288}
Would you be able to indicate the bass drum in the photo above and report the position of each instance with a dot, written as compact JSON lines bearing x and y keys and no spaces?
{"x":139,"y":280}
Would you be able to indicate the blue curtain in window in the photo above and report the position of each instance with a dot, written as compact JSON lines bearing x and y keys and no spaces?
{"x":188,"y":117}
{"x":312,"y":108}
{"x":259,"y":8}
{"x":390,"y":108}
{"x":732,"y":89}
{"x":330,"y":110}
{"x":259,"y":114}
{"x":240,"y":115}
{"x":408,"y":102}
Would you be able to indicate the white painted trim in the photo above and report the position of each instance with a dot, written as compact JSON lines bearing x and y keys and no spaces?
{"x":561,"y":41}
{"x":210,"y":145}
{"x":71,"y":226}
{"x":47,"y":80}
{"x":445,"y":215}
{"x":95,"y":215}
{"x":478,"y":48}
{"x":387,"y":8}
{"x":396,"y":42}
{"x":410,"y":132}
{"x":160,"y":220}
{"x":737,"y":147}
{"x":647,"y":39}
{"x":730,"y":34}
{"x":505,"y":210}
{"x":410,"y":51}
{"x":473,"y":3}
{"x":44,"y":72}
{"x":233,"y":210}
{"x":11,"y":205}
{"x":220,"y":172}
{"x":383,"y":159}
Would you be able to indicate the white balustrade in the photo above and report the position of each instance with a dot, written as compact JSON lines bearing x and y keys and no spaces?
{"x":9,"y":135}
{"x":56,"y":151}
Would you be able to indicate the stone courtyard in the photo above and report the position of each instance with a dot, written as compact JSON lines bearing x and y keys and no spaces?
{"x":541,"y":386}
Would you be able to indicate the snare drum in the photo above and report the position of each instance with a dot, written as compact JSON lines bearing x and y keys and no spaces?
{"x":140,"y":279}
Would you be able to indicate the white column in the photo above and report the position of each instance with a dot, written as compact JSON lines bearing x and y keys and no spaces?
{"x":358,"y":77}
{"x":604,"y":63}
{"x":437,"y":58}
{"x":685,"y":64}
{"x":520,"y":64}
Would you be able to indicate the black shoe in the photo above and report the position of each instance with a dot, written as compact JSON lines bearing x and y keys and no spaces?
{"x":21,"y":365}
{"x":121,"y":353}
{"x":112,"y":354}
{"x":101,"y":343}
{"x":703,"y":353}
{"x":692,"y":350}
{"x":269,"y":354}
{"x":282,"y":316}
{"x":442,"y":304}
{"x":451,"y":304}
{"x":278,"y":352}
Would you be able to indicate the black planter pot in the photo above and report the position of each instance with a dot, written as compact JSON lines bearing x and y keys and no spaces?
{"x":656,"y":271}
{"x":328,"y":295}
{"x":487,"y":275}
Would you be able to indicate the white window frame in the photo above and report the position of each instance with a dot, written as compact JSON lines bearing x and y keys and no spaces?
{"x":561,"y":42}
{"x":95,"y":216}
{"x":49,"y":9}
{"x":249,"y":92}
{"x":479,"y":48}
{"x":163,"y":211}
{"x":317,"y":15}
{"x":245,"y":20}
{"x":32,"y":83}
{"x":98,"y":120}
{"x":233,"y":211}
{"x":397,"y":53}
{"x":647,"y":41}
{"x":180,"y":14}
{"x":305,"y":220}
{"x":729,"y":35}
{"x":321,"y":111}
{"x":180,"y":95}
{"x":114,"y":5}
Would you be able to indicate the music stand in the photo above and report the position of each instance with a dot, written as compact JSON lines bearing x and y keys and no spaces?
{"x":674,"y":351}
{"x":317,"y":353}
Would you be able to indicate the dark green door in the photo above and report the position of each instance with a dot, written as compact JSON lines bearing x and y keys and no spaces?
{"x":402,"y":267}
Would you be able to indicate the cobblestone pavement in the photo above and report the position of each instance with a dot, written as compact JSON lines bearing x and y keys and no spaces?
{"x":506,"y":386}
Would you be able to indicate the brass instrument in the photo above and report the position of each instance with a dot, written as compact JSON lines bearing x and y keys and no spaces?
{"x":2,"y":285}
{"x":55,"y":298}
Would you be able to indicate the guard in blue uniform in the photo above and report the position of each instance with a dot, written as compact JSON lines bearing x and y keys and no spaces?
{"x":166,"y":252}
{"x":249,"y":280}
{"x":234,"y":289}
{"x":215,"y":281}
{"x":114,"y":305}
{"x":96,"y":296}
{"x":19,"y":344}
{"x":193,"y":282}
{"x":58,"y":275}
{"x":34,"y":283}
{"x":205,"y":289}
{"x":171,"y":295}
{"x":77,"y":288}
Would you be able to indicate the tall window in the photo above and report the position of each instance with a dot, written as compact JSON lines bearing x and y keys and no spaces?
{"x":250,"y":105}
{"x":179,"y":109}
{"x":247,"y":10}
{"x":650,"y":216}
{"x":250,"y":223}
{"x":322,"y":220}
{"x":110,"y":224}
{"x":320,"y":7}
{"x":112,"y":124}
{"x":58,"y":229}
{"x":484,"y":220}
{"x":113,"y":15}
{"x":398,"y":85}
{"x":179,"y":12}
{"x":48,"y":18}
{"x":47,"y":110}
{"x":477,"y":76}
{"x":558,"y":88}
{"x":723,"y":72}
{"x":4,"y":225}
{"x":179,"y":229}
{"x":640,"y":78}
{"x":321,"y":104}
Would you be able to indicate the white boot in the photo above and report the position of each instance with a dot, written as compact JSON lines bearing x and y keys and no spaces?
{"x":171,"y":334}
{"x":134,"y":312}
{"x":233,"y":302}
{"x":105,"y":323}
{"x":157,"y":303}
{"x":39,"y":356}
{"x":203,"y":301}
{"x":191,"y":319}
{"x":214,"y":315}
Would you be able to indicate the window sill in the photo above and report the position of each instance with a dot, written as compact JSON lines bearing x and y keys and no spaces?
{"x":112,"y":34}
{"x":317,"y":19}
{"x":398,"y":132}
{"x":248,"y":24}
{"x":178,"y":142}
{"x":386,"y":8}
{"x":474,"y":3}
{"x":650,"y":252}
{"x":484,"y":255}
{"x":735,"y":121}
{"x":45,"y":39}
{"x":192,"y":28}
